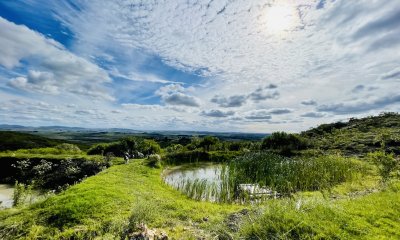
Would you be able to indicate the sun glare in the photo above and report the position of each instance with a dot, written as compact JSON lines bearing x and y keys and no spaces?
{"x":280,"y":18}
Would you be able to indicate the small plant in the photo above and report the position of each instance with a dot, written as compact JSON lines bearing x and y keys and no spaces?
{"x":20,"y":194}
{"x":154,"y":160}
{"x":386,"y":163}
{"x":108,"y":157}
{"x":142,"y":213}
{"x":69,"y":148}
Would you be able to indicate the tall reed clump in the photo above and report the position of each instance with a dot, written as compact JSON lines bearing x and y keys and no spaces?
{"x":203,"y":190}
{"x":21,"y":193}
{"x":261,"y":175}
{"x":288,"y":175}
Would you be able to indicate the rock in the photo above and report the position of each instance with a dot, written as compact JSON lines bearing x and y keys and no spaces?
{"x":144,"y":233}
{"x":161,"y":236}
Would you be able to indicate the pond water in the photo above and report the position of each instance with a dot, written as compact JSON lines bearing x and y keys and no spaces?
{"x":211,"y":182}
{"x":6,"y":195}
{"x":191,"y":172}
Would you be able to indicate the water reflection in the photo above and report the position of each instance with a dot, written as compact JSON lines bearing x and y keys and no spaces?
{"x":6,"y":195}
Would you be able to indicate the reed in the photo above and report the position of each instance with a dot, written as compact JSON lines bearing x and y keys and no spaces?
{"x":289,"y":175}
{"x":255,"y":177}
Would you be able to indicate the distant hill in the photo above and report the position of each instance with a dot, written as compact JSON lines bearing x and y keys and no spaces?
{"x":10,"y":140}
{"x":80,"y":135}
{"x":358,"y":136}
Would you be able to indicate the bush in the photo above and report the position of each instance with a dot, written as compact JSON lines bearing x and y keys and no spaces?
{"x":174,"y":148}
{"x":129,"y":145}
{"x":207,"y":142}
{"x":149,"y":146}
{"x":154,"y":160}
{"x":284,"y":143}
{"x":70,"y":148}
{"x":21,"y":192}
{"x":199,"y":156}
{"x":386,"y":163}
{"x":48,"y":173}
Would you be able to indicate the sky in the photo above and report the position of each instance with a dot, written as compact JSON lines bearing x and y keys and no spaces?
{"x":210,"y":65}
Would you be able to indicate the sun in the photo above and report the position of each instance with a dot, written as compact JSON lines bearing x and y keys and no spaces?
{"x":280,"y":19}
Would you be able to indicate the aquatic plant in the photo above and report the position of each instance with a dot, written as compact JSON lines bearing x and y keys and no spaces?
{"x":258,"y":176}
{"x":288,"y":175}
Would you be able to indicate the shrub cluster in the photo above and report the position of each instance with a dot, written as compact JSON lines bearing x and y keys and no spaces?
{"x":200,"y":156}
{"x":133,"y":146}
{"x":284,"y":143}
{"x":48,"y":173}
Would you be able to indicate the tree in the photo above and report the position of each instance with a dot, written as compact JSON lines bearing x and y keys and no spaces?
{"x":207,"y":142}
{"x":285,"y":143}
{"x":151,"y":147}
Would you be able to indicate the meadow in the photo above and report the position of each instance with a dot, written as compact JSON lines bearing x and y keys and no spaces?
{"x":348,"y":189}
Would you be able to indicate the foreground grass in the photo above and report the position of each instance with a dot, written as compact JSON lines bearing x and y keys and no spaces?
{"x":376,"y":216}
{"x":102,"y":206}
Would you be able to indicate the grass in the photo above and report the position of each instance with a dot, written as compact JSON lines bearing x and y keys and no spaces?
{"x":289,"y":175}
{"x":15,"y":140}
{"x":103,"y":204}
{"x":108,"y":205}
{"x":280,"y":175}
{"x":375,"y":216}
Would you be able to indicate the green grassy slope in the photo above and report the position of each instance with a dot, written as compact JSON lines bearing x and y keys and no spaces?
{"x":100,"y":207}
{"x":358,"y":136}
{"x":16,"y":140}
{"x":375,"y":216}
{"x":102,"y":204}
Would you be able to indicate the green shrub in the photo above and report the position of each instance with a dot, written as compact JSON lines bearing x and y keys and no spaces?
{"x":21,"y":193}
{"x":48,"y":172}
{"x":385,"y":162}
{"x":207,"y":142}
{"x":69,"y":148}
{"x":200,"y":156}
{"x":129,"y":145}
{"x":154,"y":160}
{"x":284,"y":143}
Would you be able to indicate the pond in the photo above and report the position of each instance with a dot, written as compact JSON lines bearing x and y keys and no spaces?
{"x":6,"y":195}
{"x":190,"y":172}
{"x":211,"y":182}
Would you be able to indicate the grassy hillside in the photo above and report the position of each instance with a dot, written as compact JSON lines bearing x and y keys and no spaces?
{"x":358,"y":136}
{"x":110,"y":204}
{"x":103,"y":204}
{"x":16,"y":140}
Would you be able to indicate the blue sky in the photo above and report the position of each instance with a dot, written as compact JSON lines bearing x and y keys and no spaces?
{"x":252,"y":66}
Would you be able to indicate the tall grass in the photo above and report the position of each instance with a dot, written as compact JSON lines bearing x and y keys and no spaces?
{"x":261,"y":175}
{"x":289,"y":175}
{"x":204,"y":190}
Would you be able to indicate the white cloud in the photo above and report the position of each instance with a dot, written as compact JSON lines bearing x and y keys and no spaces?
{"x":217,"y":113}
{"x":258,"y":115}
{"x":232,"y":101}
{"x":330,"y":49}
{"x":175,"y":94}
{"x":378,"y":103}
{"x":52,"y":68}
